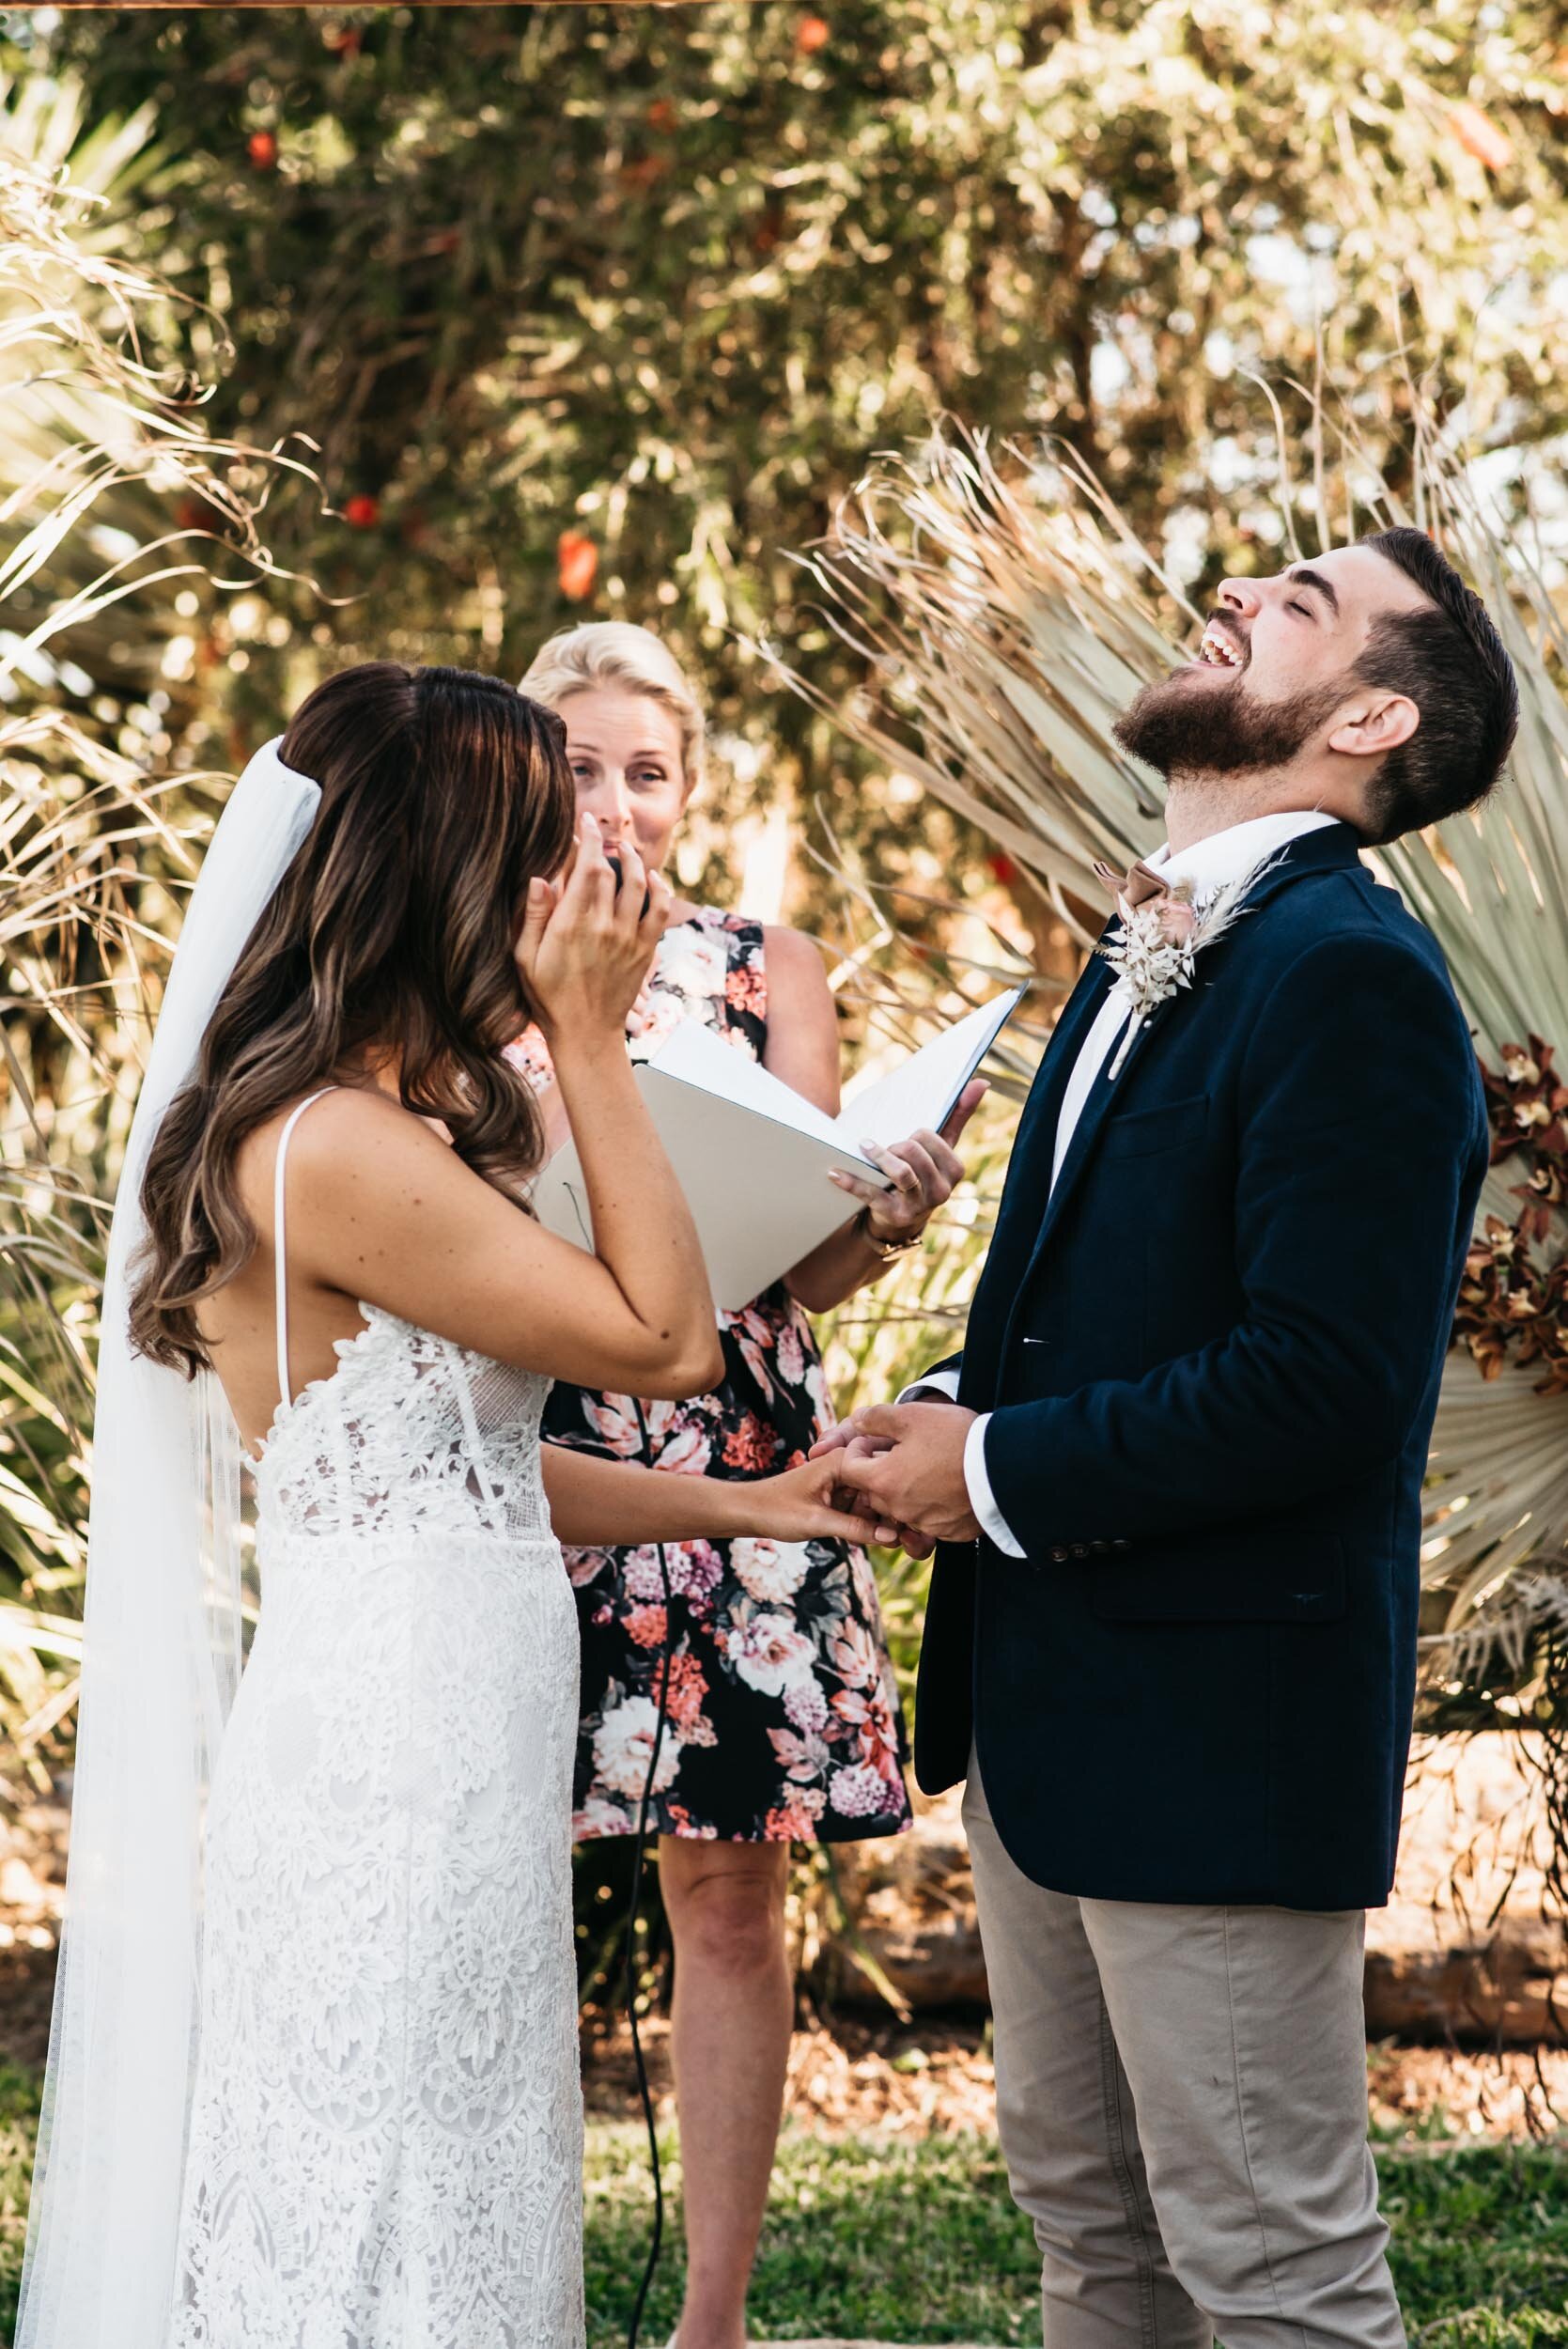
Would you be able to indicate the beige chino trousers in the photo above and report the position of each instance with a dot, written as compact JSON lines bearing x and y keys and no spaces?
{"x":1182,"y":2103}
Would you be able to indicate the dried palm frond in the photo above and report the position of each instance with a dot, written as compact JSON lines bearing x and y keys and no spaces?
{"x":1007,"y":613}
{"x":114,"y":495}
{"x":112,"y":486}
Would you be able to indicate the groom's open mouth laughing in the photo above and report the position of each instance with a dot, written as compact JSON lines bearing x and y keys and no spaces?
{"x":1221,"y":647}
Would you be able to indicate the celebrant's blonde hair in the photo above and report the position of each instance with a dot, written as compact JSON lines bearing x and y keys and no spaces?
{"x":615,"y":652}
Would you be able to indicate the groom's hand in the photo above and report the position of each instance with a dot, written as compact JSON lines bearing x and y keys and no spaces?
{"x":904,"y":1462}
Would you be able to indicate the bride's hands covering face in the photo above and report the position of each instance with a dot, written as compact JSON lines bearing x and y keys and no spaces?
{"x":587,"y":943}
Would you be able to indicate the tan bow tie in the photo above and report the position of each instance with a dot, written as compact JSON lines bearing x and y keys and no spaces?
{"x":1137,"y":885}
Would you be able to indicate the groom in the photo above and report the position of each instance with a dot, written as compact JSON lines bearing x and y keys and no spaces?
{"x":1176,"y":1491}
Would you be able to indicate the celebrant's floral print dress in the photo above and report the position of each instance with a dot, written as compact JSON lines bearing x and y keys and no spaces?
{"x":784,"y":1722}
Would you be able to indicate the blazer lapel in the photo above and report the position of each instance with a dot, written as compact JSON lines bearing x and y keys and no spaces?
{"x":1034,"y":1142}
{"x":1103,"y":1097}
{"x":1027,"y":1173}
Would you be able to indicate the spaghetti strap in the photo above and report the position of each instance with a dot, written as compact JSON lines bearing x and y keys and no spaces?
{"x":280,"y":1260}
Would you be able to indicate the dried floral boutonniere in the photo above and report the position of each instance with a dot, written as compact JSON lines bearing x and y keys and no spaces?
{"x":1163,"y":931}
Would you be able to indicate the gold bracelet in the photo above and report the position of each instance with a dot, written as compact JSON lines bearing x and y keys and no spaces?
{"x":887,"y":1249}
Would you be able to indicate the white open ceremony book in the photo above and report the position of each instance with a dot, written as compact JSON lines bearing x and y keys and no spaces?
{"x":753,"y":1156}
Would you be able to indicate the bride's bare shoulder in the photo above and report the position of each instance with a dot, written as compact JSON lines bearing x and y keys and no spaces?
{"x":349,"y":1131}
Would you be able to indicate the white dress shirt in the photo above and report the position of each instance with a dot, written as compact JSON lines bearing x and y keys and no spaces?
{"x":1209,"y":865}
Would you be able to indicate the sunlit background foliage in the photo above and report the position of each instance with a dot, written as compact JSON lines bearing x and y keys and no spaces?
{"x":426,"y":331}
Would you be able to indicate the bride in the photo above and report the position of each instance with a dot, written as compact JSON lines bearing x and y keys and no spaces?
{"x":312,"y":2082}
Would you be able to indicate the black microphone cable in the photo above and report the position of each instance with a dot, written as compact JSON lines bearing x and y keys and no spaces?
{"x":640,"y":1854}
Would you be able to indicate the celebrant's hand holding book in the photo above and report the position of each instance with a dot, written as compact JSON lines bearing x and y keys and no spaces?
{"x":755,"y":1158}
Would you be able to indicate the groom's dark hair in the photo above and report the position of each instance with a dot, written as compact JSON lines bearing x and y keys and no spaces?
{"x":1450,"y":661}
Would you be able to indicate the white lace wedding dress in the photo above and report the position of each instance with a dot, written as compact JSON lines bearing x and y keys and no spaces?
{"x":386,"y":2144}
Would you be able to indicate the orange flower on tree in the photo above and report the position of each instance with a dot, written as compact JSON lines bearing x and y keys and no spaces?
{"x":576,"y":565}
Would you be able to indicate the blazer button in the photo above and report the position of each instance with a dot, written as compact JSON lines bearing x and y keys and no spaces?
{"x":1121,"y":1545}
{"x":1059,"y":1557}
{"x":1081,"y":1549}
{"x":1099,"y":1548}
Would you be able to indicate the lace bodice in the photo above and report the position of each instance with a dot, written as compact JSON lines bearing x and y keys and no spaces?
{"x":410,"y":1438}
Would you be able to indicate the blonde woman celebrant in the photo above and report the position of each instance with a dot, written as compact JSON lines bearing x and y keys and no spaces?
{"x":783,"y":1724}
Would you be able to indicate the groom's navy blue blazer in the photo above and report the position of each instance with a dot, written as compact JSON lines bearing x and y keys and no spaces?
{"x":1212,"y":1355}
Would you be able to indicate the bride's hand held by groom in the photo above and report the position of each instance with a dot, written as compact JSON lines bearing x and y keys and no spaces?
{"x":902,"y":1465}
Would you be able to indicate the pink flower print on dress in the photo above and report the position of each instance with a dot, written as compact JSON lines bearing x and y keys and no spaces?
{"x":691,"y":963}
{"x":772,"y":1572}
{"x":791,"y":1355}
{"x":752,"y":1644}
{"x":696,"y":1571}
{"x":855,"y":1657}
{"x":746,"y":990}
{"x":586,"y":1565}
{"x":859,"y":1791}
{"x":794,"y":1820}
{"x":623,"y":1748}
{"x":805,"y":1706}
{"x":766,"y":1653}
{"x":615,"y":1422}
{"x":688,"y":1451}
{"x":642,"y":1574}
{"x":803,"y":1759}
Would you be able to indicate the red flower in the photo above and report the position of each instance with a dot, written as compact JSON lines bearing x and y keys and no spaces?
{"x":642,"y":172}
{"x":262,"y":148}
{"x":362,"y":511}
{"x":751,"y":1446}
{"x":688,"y":1689}
{"x":647,"y":1625}
{"x":812,"y":33}
{"x":746,"y":990}
{"x":1002,"y":868}
{"x":662,"y":115}
{"x":576,"y":565}
{"x":794,"y":1820}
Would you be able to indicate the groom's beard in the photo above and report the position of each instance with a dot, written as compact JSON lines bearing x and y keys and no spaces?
{"x":1179,"y":726}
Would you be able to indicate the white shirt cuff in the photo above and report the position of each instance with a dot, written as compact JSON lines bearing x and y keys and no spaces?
{"x":982,"y":1499}
{"x":977,"y":1482}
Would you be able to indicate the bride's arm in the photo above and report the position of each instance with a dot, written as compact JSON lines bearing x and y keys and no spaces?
{"x":596,"y":1503}
{"x":389,"y":1214}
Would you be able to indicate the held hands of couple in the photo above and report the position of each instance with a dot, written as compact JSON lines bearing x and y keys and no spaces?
{"x":587,"y":941}
{"x":901,"y":1464}
{"x":807,"y":1503}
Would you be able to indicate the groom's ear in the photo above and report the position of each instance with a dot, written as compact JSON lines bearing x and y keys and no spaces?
{"x":1374,"y":724}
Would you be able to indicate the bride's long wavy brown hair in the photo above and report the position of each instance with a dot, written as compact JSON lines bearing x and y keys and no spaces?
{"x":442,"y":794}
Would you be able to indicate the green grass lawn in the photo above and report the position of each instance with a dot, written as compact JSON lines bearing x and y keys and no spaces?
{"x":919,"y":2243}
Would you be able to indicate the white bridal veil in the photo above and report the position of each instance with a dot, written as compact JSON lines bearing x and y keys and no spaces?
{"x":160,"y":1664}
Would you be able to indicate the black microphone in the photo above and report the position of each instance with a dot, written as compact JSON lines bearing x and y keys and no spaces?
{"x":615,"y":863}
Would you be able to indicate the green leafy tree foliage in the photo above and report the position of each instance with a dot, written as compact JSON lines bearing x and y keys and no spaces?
{"x":599,"y":311}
